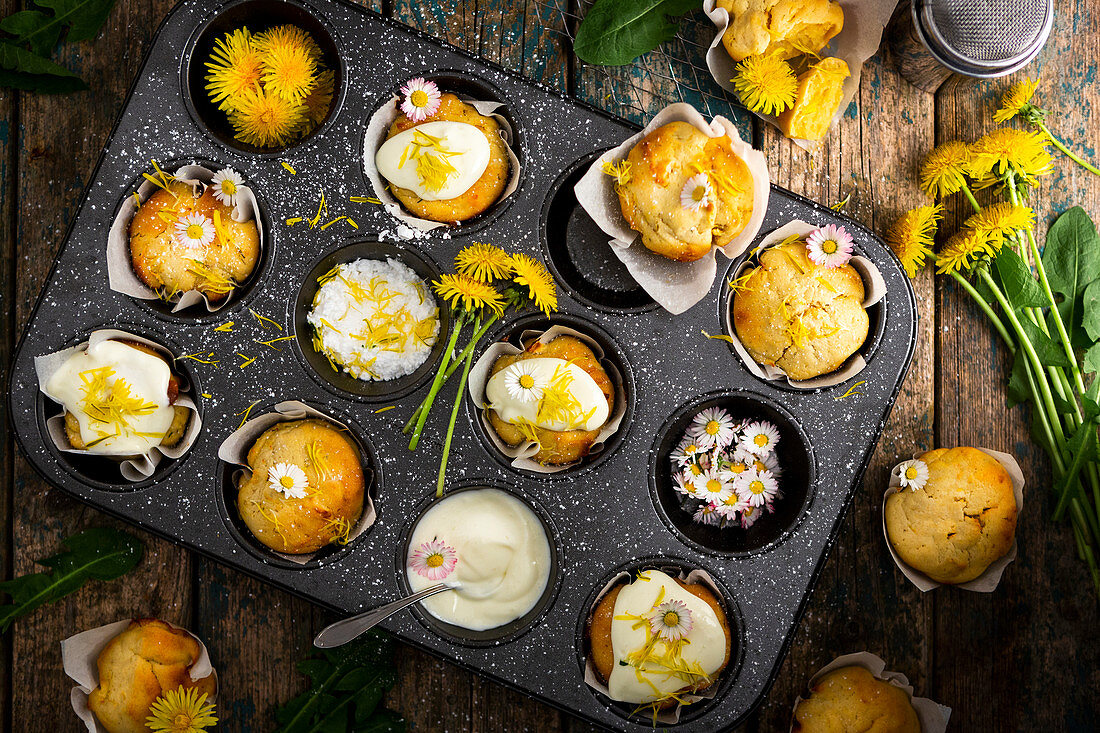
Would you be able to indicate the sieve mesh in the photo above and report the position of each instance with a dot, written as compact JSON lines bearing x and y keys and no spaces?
{"x":989,"y":31}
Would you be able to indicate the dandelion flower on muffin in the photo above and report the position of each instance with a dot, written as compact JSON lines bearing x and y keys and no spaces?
{"x":830,"y":246}
{"x":288,"y":479}
{"x":913,"y":474}
{"x":421,"y":99}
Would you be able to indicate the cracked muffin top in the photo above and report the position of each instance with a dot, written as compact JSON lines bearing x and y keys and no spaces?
{"x":852,"y":699}
{"x":799,"y":316}
{"x":961,"y":521}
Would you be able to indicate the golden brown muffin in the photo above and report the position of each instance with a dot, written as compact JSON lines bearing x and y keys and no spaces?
{"x":179,"y":421}
{"x":820,"y":89}
{"x":485,"y":191}
{"x":598,"y":632}
{"x":334,"y":496}
{"x":785,"y":27}
{"x":565,"y":446}
{"x":960,"y":522}
{"x":139,"y":665}
{"x":799,"y":316}
{"x":852,"y":699}
{"x":660,"y":165}
{"x":170,"y":268}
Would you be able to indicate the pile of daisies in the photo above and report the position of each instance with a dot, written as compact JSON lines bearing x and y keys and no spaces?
{"x":273,"y":86}
{"x":727,"y":471}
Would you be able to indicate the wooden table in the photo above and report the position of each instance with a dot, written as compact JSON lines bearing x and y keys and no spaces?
{"x":1023,"y":658}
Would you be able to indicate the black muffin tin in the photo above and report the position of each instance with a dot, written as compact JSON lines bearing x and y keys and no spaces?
{"x":610,"y":513}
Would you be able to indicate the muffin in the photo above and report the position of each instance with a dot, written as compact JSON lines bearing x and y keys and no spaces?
{"x":306,"y":489}
{"x":850,"y":699}
{"x":820,"y":89}
{"x":639,"y":672}
{"x":960,"y":521}
{"x":685,"y":192}
{"x":118,"y":398}
{"x":783,"y":27}
{"x":556,"y":394}
{"x":139,"y":665}
{"x":801,"y":317}
{"x":419,"y":167}
{"x":170,"y":260}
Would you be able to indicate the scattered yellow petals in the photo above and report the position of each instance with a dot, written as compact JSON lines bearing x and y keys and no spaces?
{"x":247,"y":411}
{"x":293,"y":220}
{"x":364,"y":200}
{"x":326,"y":226}
{"x":271,"y":343}
{"x":200,"y":358}
{"x":247,"y":359}
{"x":207,"y":395}
{"x":225,"y":327}
{"x":264,"y":319}
{"x":718,"y":337}
{"x":352,"y":222}
{"x":852,"y":390}
{"x":384,"y":409}
{"x":289,"y":168}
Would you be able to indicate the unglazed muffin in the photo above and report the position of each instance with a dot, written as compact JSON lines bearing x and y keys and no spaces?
{"x":852,"y":699}
{"x":663,"y":165}
{"x":170,"y":264}
{"x":820,"y":89}
{"x":784,"y":27}
{"x":306,"y":489}
{"x":801,"y":317}
{"x":961,"y":520}
{"x":139,"y":665}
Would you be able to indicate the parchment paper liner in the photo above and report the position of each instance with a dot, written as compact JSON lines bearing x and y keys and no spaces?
{"x":933,"y":717}
{"x":133,"y":468}
{"x":672,"y":715}
{"x":379,"y":125}
{"x":874,"y":290}
{"x":79,"y":654}
{"x":991,"y":578}
{"x":676,"y":286}
{"x":521,"y":454}
{"x":120,"y":269}
{"x":864,"y":21}
{"x":234,"y":449}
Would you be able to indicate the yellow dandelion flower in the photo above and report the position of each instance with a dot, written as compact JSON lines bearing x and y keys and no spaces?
{"x":1016,"y":100}
{"x":766,"y":83}
{"x":1001,"y":220}
{"x":533,"y":275}
{"x":235,"y":67}
{"x":470,"y":294}
{"x":911,"y":236}
{"x":282,"y":37}
{"x":943,"y":171}
{"x":1005,"y":151}
{"x":265,"y":120}
{"x":289,"y":65}
{"x":963,"y":250}
{"x":182,"y":710}
{"x":319,"y":100}
{"x":483,"y":262}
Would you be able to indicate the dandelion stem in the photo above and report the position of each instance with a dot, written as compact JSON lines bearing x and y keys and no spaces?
{"x":970,"y":196}
{"x":437,"y":383}
{"x":1069,"y":154}
{"x":454,"y":416}
{"x":987,"y":309}
{"x":455,"y":363}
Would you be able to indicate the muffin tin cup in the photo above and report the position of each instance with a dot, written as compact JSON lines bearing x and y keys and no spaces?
{"x":512,"y":630}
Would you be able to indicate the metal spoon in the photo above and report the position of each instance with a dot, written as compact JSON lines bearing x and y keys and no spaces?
{"x":347,"y":629}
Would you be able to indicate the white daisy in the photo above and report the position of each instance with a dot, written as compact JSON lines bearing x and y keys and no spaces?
{"x":913,"y":474}
{"x":682,"y":483}
{"x":741,"y":461}
{"x":687,"y":451}
{"x":227,"y":184}
{"x":755,"y":487}
{"x":749,"y":516}
{"x":706,"y":514}
{"x":731,"y":507}
{"x":759,"y":438}
{"x":768,"y":462}
{"x":710,"y":486}
{"x":194,"y":230}
{"x":422,"y":98}
{"x":694,"y":470}
{"x":522,"y":383}
{"x":288,"y":479}
{"x":671,"y":620}
{"x":696,"y":193}
{"x":829,"y":246}
{"x":712,"y":427}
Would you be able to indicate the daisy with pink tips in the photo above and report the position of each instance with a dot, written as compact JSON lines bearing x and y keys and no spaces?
{"x":421,"y":99}
{"x":749,"y":516}
{"x":706,"y":514}
{"x":433,"y":560}
{"x":830,"y":246}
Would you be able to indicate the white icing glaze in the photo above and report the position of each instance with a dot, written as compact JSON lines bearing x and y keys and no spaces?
{"x":503,"y":558}
{"x":147,"y":377}
{"x":706,"y":641}
{"x":396,"y":159}
{"x":583,"y":388}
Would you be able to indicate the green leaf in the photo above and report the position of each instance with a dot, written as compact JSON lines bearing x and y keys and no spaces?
{"x":33,"y":34}
{"x":94,"y":554}
{"x":1084,"y":448}
{"x":1019,"y":284}
{"x":41,"y":83}
{"x":1091,"y":401}
{"x":615,"y":32}
{"x":1018,"y":390}
{"x":1050,"y":352}
{"x":1072,"y":261}
{"x":1090,"y":305}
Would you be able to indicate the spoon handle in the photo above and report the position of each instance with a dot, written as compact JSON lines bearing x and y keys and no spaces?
{"x":344,"y":631}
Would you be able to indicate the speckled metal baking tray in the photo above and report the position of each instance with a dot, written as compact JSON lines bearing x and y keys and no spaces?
{"x":611,"y":513}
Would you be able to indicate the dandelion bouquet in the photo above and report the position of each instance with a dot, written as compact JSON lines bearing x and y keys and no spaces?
{"x":273,"y":86}
{"x":1044,"y":302}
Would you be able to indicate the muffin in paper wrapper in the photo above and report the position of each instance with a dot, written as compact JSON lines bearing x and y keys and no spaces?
{"x":933,"y":717}
{"x":234,"y":449}
{"x":874,"y":290}
{"x":864,"y":21}
{"x":672,"y":715}
{"x":120,"y":270}
{"x":133,"y":468}
{"x":379,"y":126}
{"x":80,"y":654}
{"x":988,"y":581}
{"x":676,"y":286}
{"x":522,"y":454}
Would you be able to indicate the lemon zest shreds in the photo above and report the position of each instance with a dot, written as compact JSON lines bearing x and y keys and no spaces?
{"x":1016,"y":100}
{"x":245,"y":413}
{"x":766,"y":83}
{"x":483,"y":262}
{"x":852,"y":390}
{"x":316,"y":455}
{"x":264,"y":119}
{"x":740,"y":284}
{"x":963,"y":250}
{"x":183,"y":710}
{"x":911,"y":236}
{"x":944,"y":170}
{"x":718,"y":337}
{"x":225,"y":327}
{"x":1007,"y":150}
{"x":234,"y":68}
{"x":289,"y":167}
{"x":465,"y":292}
{"x":1002,"y":219}
{"x":265,"y":319}
{"x":620,"y":171}
{"x":533,"y":275}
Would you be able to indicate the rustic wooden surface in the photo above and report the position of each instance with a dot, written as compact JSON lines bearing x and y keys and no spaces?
{"x":1023,"y":658}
